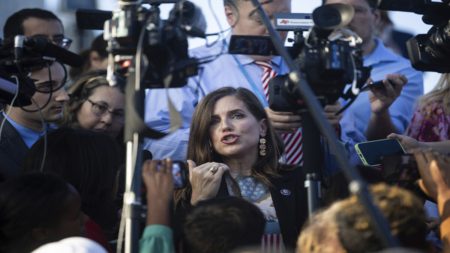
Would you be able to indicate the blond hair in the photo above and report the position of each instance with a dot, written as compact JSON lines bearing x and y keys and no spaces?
{"x":440,"y":94}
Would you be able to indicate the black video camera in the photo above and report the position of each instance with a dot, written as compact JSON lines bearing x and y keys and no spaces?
{"x":431,"y":51}
{"x":19,"y":56}
{"x":160,"y":46}
{"x":329,"y":58}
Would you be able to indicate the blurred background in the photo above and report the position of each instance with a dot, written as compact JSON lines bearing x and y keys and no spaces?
{"x":212,"y":9}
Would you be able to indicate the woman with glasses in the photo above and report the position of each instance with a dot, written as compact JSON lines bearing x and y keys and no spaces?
{"x":95,"y":105}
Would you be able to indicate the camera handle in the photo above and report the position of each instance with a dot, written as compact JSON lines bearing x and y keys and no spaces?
{"x":312,"y":161}
{"x":131,"y":213}
{"x":357,"y":186}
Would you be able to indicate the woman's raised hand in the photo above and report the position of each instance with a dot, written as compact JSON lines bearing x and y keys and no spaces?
{"x":205,"y":180}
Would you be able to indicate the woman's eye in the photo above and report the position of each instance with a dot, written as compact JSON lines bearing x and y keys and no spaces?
{"x":238,"y":115}
{"x":214,"y":121}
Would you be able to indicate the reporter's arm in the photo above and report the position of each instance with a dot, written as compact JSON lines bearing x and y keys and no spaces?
{"x":158,"y":236}
{"x":381,"y":99}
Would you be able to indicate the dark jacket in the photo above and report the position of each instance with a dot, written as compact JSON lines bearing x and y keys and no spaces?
{"x":12,"y":151}
{"x":290,"y":200}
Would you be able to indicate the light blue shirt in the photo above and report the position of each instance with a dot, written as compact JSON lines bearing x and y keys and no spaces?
{"x":221,"y":72}
{"x":356,"y":118}
{"x":29,"y":136}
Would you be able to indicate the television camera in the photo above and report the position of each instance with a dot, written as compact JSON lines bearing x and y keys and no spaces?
{"x":430,"y":51}
{"x":160,"y":46}
{"x":18,"y":57}
{"x":329,"y":58}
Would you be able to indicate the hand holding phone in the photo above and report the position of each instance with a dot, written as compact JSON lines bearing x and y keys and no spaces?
{"x":378,"y":85}
{"x":372,"y":152}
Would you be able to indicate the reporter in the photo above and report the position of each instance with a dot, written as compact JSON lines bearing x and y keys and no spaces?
{"x":95,"y":105}
{"x":377,"y":113}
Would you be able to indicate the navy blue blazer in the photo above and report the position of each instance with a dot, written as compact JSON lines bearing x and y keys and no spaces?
{"x":12,"y":151}
{"x":290,"y":201}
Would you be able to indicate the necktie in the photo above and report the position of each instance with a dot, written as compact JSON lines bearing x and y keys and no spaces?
{"x":293,"y":143}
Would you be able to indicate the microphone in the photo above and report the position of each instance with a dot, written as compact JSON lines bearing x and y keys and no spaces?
{"x":191,"y":18}
{"x":18,"y":46}
{"x":46,"y":48}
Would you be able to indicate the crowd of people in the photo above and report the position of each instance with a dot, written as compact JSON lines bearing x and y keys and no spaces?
{"x":62,"y":157}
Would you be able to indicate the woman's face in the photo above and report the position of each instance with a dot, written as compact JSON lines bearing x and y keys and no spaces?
{"x":234,"y":131}
{"x":103,"y":111}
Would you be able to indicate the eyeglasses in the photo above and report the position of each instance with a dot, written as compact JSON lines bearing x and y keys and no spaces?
{"x":58,"y":40}
{"x":101,"y":109}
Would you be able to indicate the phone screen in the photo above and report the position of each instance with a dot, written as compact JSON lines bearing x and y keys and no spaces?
{"x":371,"y":152}
{"x":180,"y":174}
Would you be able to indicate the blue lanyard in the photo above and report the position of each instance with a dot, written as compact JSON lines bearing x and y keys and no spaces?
{"x":252,"y":83}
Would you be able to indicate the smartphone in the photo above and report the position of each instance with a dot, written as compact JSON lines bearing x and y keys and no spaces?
{"x":180,"y":174}
{"x":372,"y":152}
{"x":377,"y":84}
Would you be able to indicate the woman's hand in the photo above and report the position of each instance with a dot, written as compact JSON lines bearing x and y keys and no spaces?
{"x":205,"y":180}
{"x":407,"y":142}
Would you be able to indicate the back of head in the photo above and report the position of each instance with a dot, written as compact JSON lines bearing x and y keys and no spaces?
{"x":320,"y":233}
{"x":87,"y":160}
{"x":71,"y":245}
{"x":223,"y":224}
{"x":14,"y":24}
{"x":29,"y":202}
{"x":403,"y":211}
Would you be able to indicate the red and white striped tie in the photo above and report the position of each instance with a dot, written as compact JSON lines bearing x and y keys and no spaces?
{"x":293,"y":144}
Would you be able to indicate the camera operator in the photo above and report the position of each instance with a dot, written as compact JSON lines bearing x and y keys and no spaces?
{"x":251,"y":72}
{"x":23,"y":126}
{"x":36,"y":23}
{"x":388,"y":108}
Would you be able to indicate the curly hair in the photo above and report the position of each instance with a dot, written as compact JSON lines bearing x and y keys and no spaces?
{"x":403,"y":211}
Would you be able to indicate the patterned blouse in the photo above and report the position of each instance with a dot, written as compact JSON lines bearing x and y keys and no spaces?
{"x":430,"y":123}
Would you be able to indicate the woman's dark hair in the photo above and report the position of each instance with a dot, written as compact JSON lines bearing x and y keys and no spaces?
{"x":27,"y":202}
{"x":81,"y":90}
{"x":87,"y":160}
{"x":199,"y":147}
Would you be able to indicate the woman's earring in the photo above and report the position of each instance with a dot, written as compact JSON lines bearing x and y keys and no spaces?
{"x":210,"y":147}
{"x":262,"y":146}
